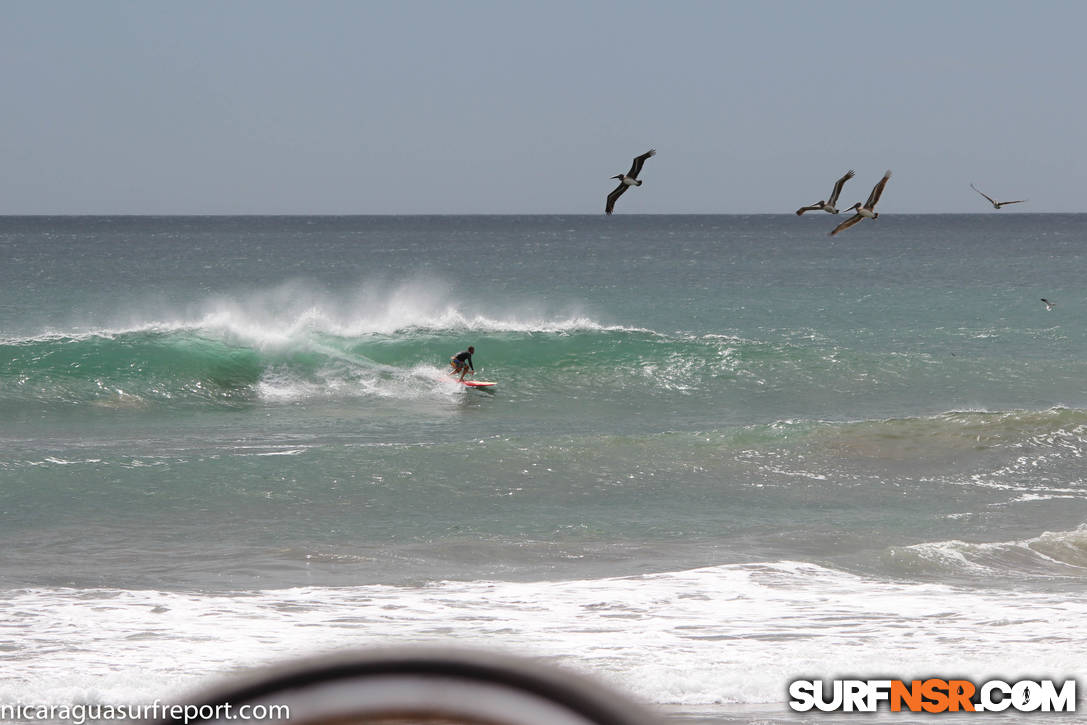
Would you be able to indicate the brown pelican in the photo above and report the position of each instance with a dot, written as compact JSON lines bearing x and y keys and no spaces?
{"x":866,"y":210}
{"x":828,"y":205}
{"x":628,"y":179}
{"x":996,"y":204}
{"x":1048,"y":305}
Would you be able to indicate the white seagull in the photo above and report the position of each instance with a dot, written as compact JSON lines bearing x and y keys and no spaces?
{"x":628,"y":179}
{"x":866,"y":210}
{"x":1048,"y":305}
{"x":828,"y":205}
{"x":996,"y":204}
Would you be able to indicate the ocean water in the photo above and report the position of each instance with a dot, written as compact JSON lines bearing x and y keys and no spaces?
{"x":724,"y":452}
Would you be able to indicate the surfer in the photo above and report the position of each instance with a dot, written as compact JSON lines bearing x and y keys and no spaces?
{"x":462,"y":362}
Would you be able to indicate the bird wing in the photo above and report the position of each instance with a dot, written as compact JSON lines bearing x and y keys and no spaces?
{"x":991,"y":199}
{"x":618,"y":191}
{"x":838,"y":187}
{"x":846,"y":224}
{"x":1017,"y":201}
{"x":639,"y":161}
{"x":803,"y":209}
{"x":877,"y":191}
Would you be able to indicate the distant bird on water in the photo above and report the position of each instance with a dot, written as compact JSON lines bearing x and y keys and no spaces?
{"x":866,"y":210}
{"x":1048,"y":305}
{"x":996,"y":204}
{"x":828,"y":205}
{"x":628,"y":179}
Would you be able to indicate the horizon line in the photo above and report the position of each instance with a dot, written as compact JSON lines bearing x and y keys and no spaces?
{"x":4,"y":215}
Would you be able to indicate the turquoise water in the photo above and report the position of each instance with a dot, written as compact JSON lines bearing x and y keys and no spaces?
{"x":244,"y":422}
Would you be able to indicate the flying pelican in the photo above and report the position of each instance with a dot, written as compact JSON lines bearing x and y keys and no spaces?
{"x":828,"y":205}
{"x":1048,"y":305}
{"x":628,"y":179}
{"x":866,"y":210}
{"x":996,"y":204}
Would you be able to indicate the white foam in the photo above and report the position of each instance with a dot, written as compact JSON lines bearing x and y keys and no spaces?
{"x":279,"y":385}
{"x":53,"y":460}
{"x":727,"y":634}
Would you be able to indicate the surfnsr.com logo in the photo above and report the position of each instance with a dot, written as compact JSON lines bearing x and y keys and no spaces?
{"x":932,"y":695}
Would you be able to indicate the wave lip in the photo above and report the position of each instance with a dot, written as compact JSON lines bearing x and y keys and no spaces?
{"x":1051,"y":555}
{"x":226,"y":325}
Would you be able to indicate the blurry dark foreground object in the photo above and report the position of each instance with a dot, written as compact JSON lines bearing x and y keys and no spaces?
{"x":424,"y":686}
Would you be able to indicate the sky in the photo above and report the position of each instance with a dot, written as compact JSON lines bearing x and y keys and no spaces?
{"x":506,"y":107}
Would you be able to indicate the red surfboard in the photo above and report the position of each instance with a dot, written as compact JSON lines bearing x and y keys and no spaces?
{"x":476,"y":383}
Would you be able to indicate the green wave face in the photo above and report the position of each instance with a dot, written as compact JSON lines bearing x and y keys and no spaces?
{"x":167,"y":367}
{"x":198,"y":365}
{"x":572,"y":368}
